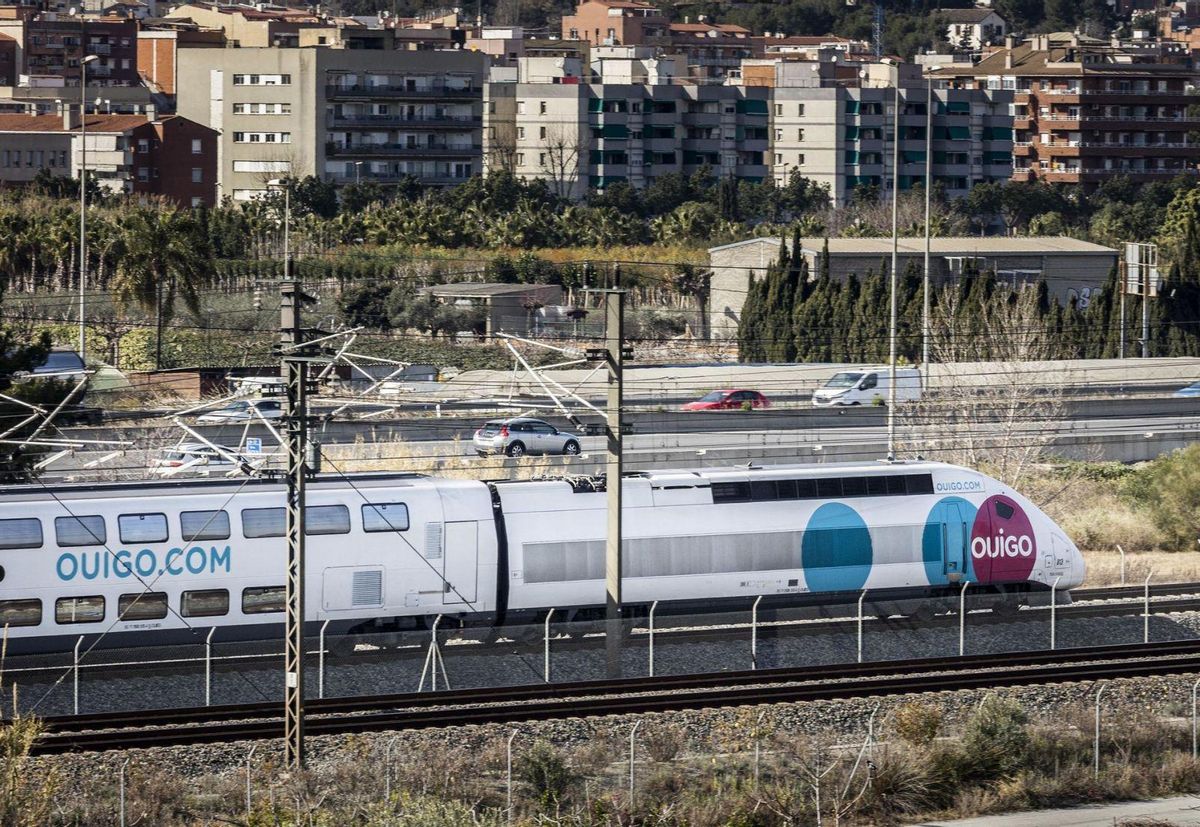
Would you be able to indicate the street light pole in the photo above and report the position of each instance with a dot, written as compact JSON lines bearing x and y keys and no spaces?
{"x":83,"y":201}
{"x":928,"y":229}
{"x":891,"y":417}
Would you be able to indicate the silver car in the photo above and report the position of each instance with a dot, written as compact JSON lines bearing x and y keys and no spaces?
{"x":520,"y":435}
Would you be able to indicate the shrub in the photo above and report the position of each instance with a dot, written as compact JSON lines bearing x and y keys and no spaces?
{"x":917,"y":723}
{"x":1169,"y":488}
{"x":996,"y":739}
{"x":663,"y":743}
{"x":546,"y":773}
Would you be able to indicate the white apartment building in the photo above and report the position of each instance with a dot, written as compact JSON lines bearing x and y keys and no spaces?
{"x":344,"y":115}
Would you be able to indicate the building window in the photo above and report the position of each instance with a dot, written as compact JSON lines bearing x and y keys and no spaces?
{"x":542,"y":107}
{"x":520,"y":107}
{"x":779,"y":109}
{"x":491,"y":107}
{"x":197,"y":201}
{"x":197,"y":175}
{"x":799,"y":134}
{"x":779,"y":157}
{"x":143,"y":173}
{"x":574,"y":34}
{"x":542,"y":133}
{"x":520,"y":133}
{"x":520,"y":159}
{"x":779,"y":134}
{"x":196,"y":146}
{"x":800,"y":110}
{"x":541,"y":159}
{"x":800,"y":159}
{"x":143,"y":146}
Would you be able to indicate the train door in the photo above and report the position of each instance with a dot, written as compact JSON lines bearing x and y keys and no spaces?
{"x":460,"y":562}
{"x":955,"y":534}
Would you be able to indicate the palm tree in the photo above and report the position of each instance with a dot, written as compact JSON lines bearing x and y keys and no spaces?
{"x":163,"y":249}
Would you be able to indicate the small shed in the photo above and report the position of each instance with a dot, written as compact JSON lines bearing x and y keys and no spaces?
{"x":509,"y":308}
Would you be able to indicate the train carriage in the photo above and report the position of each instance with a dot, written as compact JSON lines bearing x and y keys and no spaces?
{"x":153,"y":563}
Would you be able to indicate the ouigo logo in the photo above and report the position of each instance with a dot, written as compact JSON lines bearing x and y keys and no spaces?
{"x":1003,"y":543}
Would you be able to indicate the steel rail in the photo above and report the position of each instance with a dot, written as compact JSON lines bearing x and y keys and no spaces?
{"x":543,"y":701}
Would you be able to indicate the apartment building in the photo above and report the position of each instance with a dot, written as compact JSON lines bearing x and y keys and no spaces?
{"x":637,"y":123}
{"x":48,"y":47}
{"x":1086,"y":110}
{"x":344,"y":115}
{"x":840,"y":132}
{"x":615,"y":23}
{"x":171,"y":156}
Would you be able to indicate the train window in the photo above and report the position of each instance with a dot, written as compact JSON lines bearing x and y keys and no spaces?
{"x":21,"y":612}
{"x":1004,"y":511}
{"x":763,"y":490}
{"x":918,"y":484}
{"x":204,"y":525}
{"x":22,"y":533}
{"x":786,"y":489}
{"x":259,"y":600}
{"x":730,"y":492}
{"x":142,"y":606}
{"x":80,"y":531}
{"x":204,"y":603}
{"x":854,"y":486}
{"x":262,"y":522}
{"x":877,"y":486}
{"x":385,"y":517}
{"x":806,"y":489}
{"x":829,"y":487}
{"x":895,"y":485}
{"x":142,"y":528}
{"x":79,"y":609}
{"x":327,"y":519}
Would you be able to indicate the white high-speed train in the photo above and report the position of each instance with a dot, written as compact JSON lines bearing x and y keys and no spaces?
{"x":152,"y":563}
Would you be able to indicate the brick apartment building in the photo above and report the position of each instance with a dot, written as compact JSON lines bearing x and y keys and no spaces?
{"x":52,"y":45}
{"x":1086,"y":110}
{"x":616,"y":23}
{"x":170,"y":156}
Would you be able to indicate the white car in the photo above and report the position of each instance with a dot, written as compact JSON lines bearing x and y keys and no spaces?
{"x":194,"y":457}
{"x":243,"y":410}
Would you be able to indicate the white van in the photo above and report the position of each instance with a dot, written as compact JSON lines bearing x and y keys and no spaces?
{"x":868,"y":386}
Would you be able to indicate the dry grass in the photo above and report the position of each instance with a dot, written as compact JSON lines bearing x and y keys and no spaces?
{"x":455,"y":462}
{"x":1104,"y":567}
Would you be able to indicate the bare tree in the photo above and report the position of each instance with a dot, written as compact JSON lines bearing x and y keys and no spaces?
{"x":560,"y":152}
{"x":994,"y":400}
{"x":502,"y":146}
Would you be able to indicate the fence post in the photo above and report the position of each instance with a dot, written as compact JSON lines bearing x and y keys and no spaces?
{"x":861,"y":597}
{"x":1195,"y":689}
{"x":653,"y":606}
{"x":75,"y":670}
{"x":208,"y":666}
{"x":508,"y":779}
{"x":249,"y":758}
{"x":321,"y":660}
{"x":757,"y":744}
{"x":1146,"y":613}
{"x":1053,"y":608}
{"x":387,"y":770}
{"x":1096,"y":745}
{"x":962,"y":619}
{"x":121,"y":784}
{"x":754,"y":633}
{"x":632,"y":747}
{"x":1122,"y":551}
{"x":546,"y":647}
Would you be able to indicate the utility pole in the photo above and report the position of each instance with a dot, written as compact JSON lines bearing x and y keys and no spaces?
{"x":295,"y":374}
{"x":613,"y":355}
{"x":1141,"y":277}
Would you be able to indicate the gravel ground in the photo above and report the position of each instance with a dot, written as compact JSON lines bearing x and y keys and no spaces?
{"x":477,"y":665}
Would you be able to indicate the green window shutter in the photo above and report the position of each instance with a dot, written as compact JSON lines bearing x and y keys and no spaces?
{"x":960,"y":133}
{"x":595,"y":105}
{"x":997,"y":133}
{"x":959,"y":107}
{"x":851,"y":107}
{"x":596,"y":157}
{"x":852,"y":133}
{"x":615,"y":131}
{"x":914,"y":156}
{"x":851,"y":156}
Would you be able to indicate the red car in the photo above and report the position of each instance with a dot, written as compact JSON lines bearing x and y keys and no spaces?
{"x":728,"y":400}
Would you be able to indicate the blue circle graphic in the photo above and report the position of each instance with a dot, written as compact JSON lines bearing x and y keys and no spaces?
{"x":946,"y":540}
{"x":836,"y":549}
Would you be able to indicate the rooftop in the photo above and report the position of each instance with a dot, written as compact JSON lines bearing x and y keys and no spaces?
{"x":54,"y":123}
{"x":945,"y":245}
{"x":965,"y":15}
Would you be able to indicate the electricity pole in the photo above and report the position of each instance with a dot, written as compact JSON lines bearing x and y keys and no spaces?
{"x":613,"y":354}
{"x":295,"y":373}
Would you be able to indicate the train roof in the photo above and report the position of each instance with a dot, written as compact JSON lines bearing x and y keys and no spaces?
{"x":193,"y":485}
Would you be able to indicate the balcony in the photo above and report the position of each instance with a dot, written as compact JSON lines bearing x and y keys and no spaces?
{"x":365,"y":91}
{"x":401,"y":150}
{"x":399,"y":122}
{"x":395,"y":178}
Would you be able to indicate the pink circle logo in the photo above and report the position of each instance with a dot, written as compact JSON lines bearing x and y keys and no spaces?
{"x":1003,"y":546}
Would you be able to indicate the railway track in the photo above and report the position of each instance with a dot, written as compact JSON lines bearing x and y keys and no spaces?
{"x":612,"y":697}
{"x":773,"y":623}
